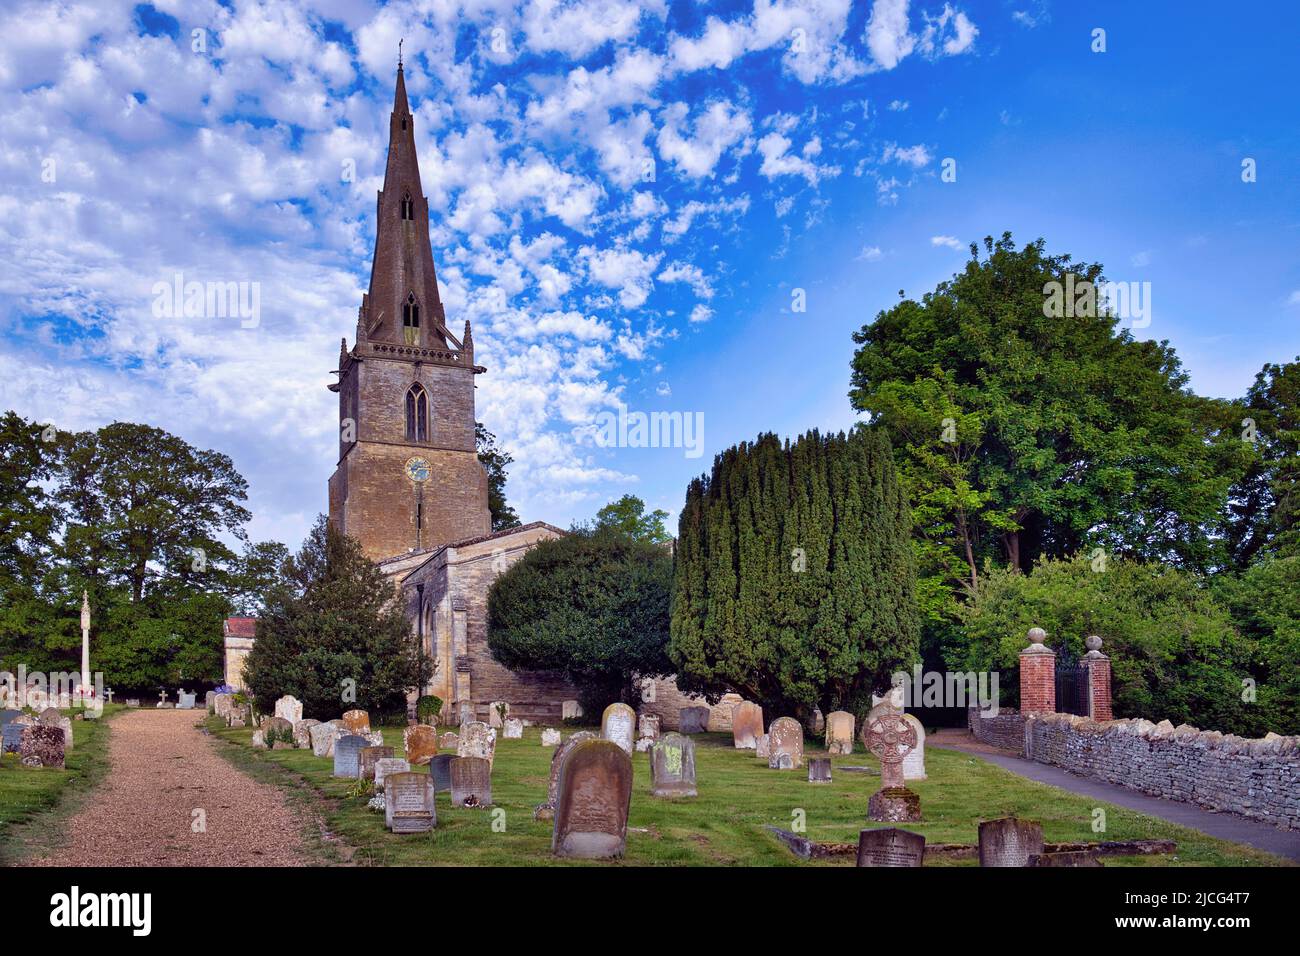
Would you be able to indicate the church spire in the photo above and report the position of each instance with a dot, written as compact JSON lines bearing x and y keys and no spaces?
{"x":403,"y":305}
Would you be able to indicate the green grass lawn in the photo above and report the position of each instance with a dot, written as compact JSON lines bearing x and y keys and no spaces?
{"x":33,"y":800}
{"x":724,"y":825}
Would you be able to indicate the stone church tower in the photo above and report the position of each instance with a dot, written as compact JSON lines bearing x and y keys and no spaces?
{"x":408,"y":476}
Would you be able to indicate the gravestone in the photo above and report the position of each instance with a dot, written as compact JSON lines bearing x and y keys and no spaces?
{"x":785,"y":743}
{"x":7,"y":715}
{"x":134,"y":702}
{"x":513,"y":729}
{"x":471,"y":782}
{"x":550,"y":737}
{"x":1009,"y":841}
{"x":694,"y":720}
{"x":50,"y":717}
{"x":1066,"y":858}
{"x":890,"y":846}
{"x":839,"y":732}
{"x":11,"y":737}
{"x":477,"y":739}
{"x":186,"y":701}
{"x":647,"y":727}
{"x":618,"y":723}
{"x":409,"y":805}
{"x":546,"y":811}
{"x":420,"y":743}
{"x":440,"y":771}
{"x":570,"y":710}
{"x":347,"y":755}
{"x":386,"y":767}
{"x":302,"y":733}
{"x":356,"y":722}
{"x":367,"y":757}
{"x":746,"y":725}
{"x":449,"y":741}
{"x":289,"y":707}
{"x":222,"y":704}
{"x":209,"y":700}
{"x":890,"y":738}
{"x":498,"y":711}
{"x":672,"y":766}
{"x":914,"y":762}
{"x":592,"y":805}
{"x":465,"y":712}
{"x":41,"y":746}
{"x":819,"y":769}
{"x":763,"y":748}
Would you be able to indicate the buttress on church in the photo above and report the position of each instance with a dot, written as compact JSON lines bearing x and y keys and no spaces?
{"x":409,"y":486}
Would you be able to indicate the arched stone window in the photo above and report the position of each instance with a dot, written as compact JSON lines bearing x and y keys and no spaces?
{"x":411,"y":320}
{"x":408,"y":208}
{"x":417,"y":413}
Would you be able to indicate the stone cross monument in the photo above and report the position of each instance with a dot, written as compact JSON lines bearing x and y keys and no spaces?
{"x":85,"y":643}
{"x":891,"y":738}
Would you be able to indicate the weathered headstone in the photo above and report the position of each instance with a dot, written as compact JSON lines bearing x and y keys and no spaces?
{"x":570,"y":710}
{"x":618,"y":724}
{"x":513,"y":729}
{"x":746,"y":725}
{"x":186,"y":700}
{"x":222,"y":704}
{"x":356,"y":722}
{"x":209,"y":700}
{"x":322,"y":739}
{"x":550,"y":737}
{"x":498,"y":711}
{"x":409,"y":805}
{"x":819,"y":769}
{"x":471,"y":782}
{"x":785,"y":740}
{"x":1066,"y":858}
{"x":839,"y":732}
{"x":476,"y":740}
{"x":1009,"y":841}
{"x":42,"y":746}
{"x":302,"y":733}
{"x":385,"y":767}
{"x":440,"y":771}
{"x":367,"y":758}
{"x":694,"y":720}
{"x":420,"y":743}
{"x":672,"y":766}
{"x":546,"y":811}
{"x":347,"y":755}
{"x":890,"y":738}
{"x":914,"y":762}
{"x":11,"y":737}
{"x":594,"y":797}
{"x":890,"y":846}
{"x":449,"y":742}
{"x":647,"y":727}
{"x":51,"y":717}
{"x":763,"y":748}
{"x":289,"y":707}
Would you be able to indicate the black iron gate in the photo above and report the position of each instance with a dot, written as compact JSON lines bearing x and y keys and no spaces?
{"x":1073,"y":689}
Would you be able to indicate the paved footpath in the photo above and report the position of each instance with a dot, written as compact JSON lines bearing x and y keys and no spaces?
{"x":162,"y":770}
{"x":1224,"y":826}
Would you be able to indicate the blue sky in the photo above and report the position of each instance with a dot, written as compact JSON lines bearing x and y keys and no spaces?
{"x":792,"y":146}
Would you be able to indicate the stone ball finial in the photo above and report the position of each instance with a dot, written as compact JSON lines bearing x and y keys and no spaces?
{"x":1092,"y":642}
{"x":1037,"y":635}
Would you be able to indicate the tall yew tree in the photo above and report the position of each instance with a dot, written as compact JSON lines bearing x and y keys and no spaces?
{"x":793,"y":574}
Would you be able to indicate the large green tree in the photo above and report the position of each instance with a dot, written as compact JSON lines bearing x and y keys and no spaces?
{"x":593,"y":605}
{"x":333,"y":634}
{"x":1022,"y":428}
{"x":627,"y":516}
{"x":793,"y":578}
{"x":495,"y":459}
{"x":1264,"y":513}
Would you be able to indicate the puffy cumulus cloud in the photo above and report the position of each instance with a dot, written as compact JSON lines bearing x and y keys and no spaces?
{"x":914,"y":156}
{"x":712,"y":212}
{"x":626,"y":270}
{"x":690,"y":274}
{"x":779,"y":161}
{"x":696,"y":151}
{"x":948,"y":242}
{"x":578,"y":28}
{"x":890,"y":39}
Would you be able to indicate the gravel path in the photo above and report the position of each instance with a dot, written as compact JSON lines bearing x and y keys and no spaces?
{"x":162,"y":769}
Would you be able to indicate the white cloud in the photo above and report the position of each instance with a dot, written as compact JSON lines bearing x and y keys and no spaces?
{"x":950,"y":242}
{"x":701,"y":313}
{"x":890,"y":40}
{"x":914,"y":156}
{"x":868,"y":254}
{"x":695,"y":152}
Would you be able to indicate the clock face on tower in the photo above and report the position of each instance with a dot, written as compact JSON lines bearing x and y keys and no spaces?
{"x":417,"y":469}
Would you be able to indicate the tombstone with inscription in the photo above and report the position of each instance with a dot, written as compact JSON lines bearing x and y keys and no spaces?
{"x":367,"y":758}
{"x":546,"y":811}
{"x":477,"y":739}
{"x":11,"y":737}
{"x":440,"y":771}
{"x":672,"y":766}
{"x":385,"y":767}
{"x":1009,"y":841}
{"x":409,"y":805}
{"x":471,"y":782}
{"x":289,"y":707}
{"x":618,"y":724}
{"x":694,"y":720}
{"x":302,"y":733}
{"x":513,"y":729}
{"x":890,"y":738}
{"x":890,"y":846}
{"x":647,"y":727}
{"x":746,"y":725}
{"x":347,"y":755}
{"x":550,"y":737}
{"x":356,"y":722}
{"x":839,"y":732}
{"x":785,"y":743}
{"x":819,"y":769}
{"x":420,"y":743}
{"x":41,"y":746}
{"x":449,"y":741}
{"x":592,"y":805}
